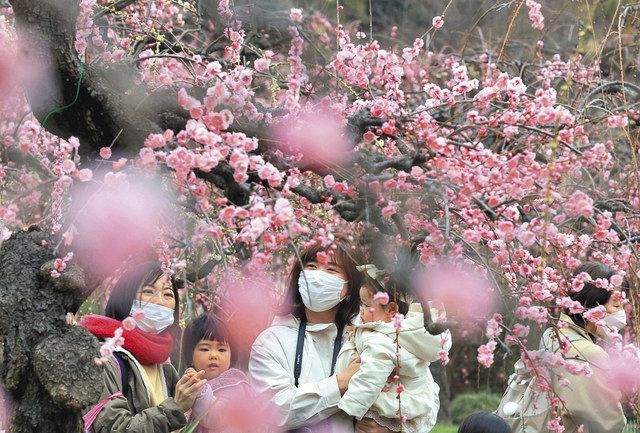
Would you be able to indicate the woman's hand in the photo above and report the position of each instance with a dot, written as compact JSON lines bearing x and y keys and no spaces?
{"x":345,"y":376}
{"x":367,"y":425}
{"x":188,"y":388}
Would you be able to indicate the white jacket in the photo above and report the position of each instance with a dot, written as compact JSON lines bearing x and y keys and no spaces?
{"x":315,"y":400}
{"x":374,"y":343}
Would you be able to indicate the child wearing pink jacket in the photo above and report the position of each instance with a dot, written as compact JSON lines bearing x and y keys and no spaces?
{"x":205,"y":346}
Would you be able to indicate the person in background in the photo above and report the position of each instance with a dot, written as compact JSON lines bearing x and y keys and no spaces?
{"x":588,"y":400}
{"x":483,"y":422}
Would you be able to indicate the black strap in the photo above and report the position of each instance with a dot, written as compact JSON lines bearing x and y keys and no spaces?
{"x":336,"y":349}
{"x":297,"y":368}
{"x":123,"y":373}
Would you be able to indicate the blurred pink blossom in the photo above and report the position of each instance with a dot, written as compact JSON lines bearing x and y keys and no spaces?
{"x":579,"y":204}
{"x":535,"y":15}
{"x":381,"y":298}
{"x":623,"y":368}
{"x":138,"y":315}
{"x":485,"y":353}
{"x":117,"y":221}
{"x":262,"y":65}
{"x":595,"y":315}
{"x":319,"y":139}
{"x":616,"y":280}
{"x":465,"y":293}
{"x":397,"y":320}
{"x":239,"y":412}
{"x":129,"y":324}
{"x":25,"y":63}
{"x":247,"y":306}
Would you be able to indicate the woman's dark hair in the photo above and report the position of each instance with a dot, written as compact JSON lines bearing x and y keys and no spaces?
{"x":128,"y":286}
{"x":343,"y":255}
{"x":483,"y":422}
{"x":591,"y":296}
{"x":204,"y":327}
{"x":374,"y":286}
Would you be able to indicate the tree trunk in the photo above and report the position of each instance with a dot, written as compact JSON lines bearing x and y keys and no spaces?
{"x":46,"y":365}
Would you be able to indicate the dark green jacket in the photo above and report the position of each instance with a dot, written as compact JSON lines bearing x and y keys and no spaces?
{"x":132,"y":412}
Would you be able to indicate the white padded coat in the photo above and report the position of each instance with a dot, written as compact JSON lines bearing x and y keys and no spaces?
{"x":374,"y":343}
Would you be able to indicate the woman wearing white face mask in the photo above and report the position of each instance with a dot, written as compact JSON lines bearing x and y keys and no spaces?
{"x":589,"y":400}
{"x":142,"y":393}
{"x":293,"y":361}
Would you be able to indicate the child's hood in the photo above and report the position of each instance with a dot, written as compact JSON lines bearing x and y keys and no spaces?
{"x":413,"y":336}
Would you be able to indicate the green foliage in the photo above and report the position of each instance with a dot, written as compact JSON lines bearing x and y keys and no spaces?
{"x":465,"y":404}
{"x":90,"y":306}
{"x":444,"y":428}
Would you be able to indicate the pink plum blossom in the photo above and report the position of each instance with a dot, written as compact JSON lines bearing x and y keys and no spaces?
{"x":296,"y":15}
{"x":617,"y":121}
{"x":129,"y":324}
{"x":535,"y":15}
{"x":595,"y":315}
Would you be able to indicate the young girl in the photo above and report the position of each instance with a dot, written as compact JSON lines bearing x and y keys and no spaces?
{"x":205,"y":347}
{"x":372,"y":390}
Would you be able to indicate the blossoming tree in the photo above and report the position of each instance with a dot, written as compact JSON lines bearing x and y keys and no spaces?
{"x":271,"y":129}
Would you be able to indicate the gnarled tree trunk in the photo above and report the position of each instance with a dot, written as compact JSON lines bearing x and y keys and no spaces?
{"x":46,"y":365}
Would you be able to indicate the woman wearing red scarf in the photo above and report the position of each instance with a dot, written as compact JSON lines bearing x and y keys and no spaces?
{"x":152,"y":399}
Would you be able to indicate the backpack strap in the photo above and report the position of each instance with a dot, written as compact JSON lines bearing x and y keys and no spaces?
{"x":89,"y":418}
{"x":122,"y":367}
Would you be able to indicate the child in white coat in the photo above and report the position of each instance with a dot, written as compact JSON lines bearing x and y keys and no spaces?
{"x":373,"y":390}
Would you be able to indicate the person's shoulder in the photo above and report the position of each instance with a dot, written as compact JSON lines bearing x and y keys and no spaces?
{"x":283,"y":327}
{"x":110,"y":365}
{"x":169,"y":370}
{"x":589,"y":350}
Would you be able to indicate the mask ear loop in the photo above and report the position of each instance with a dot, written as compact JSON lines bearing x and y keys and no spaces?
{"x":303,"y":273}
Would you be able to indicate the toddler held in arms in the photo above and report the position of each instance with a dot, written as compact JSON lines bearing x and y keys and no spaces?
{"x":206,"y":348}
{"x":391,"y":368}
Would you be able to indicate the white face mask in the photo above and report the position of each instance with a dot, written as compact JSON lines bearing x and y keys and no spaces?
{"x":156,"y":318}
{"x":617,"y":319}
{"x":320,"y":291}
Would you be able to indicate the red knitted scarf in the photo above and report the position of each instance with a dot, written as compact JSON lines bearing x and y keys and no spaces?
{"x":146,"y":347}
